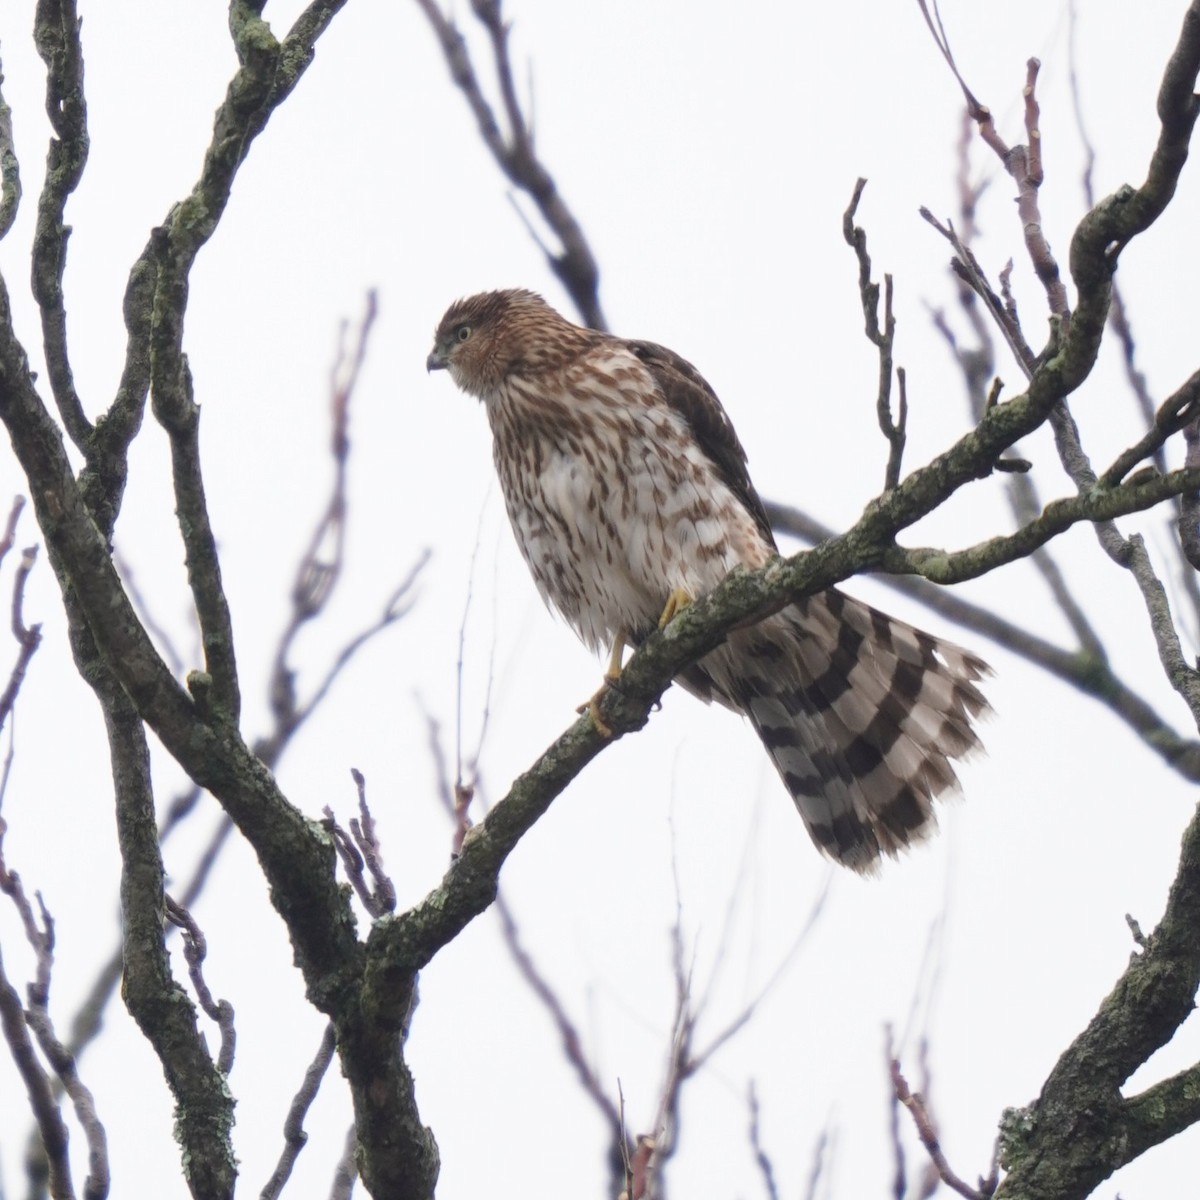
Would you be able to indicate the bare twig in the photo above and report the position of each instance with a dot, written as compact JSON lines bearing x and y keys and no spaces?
{"x":45,"y":1109}
{"x":39,"y":933}
{"x":28,"y":638}
{"x":574,"y":264}
{"x":895,"y":1138}
{"x":361,"y":853}
{"x":882,"y":337}
{"x":195,"y":948}
{"x":927,"y":1132}
{"x":786,"y":960}
{"x":570,"y":1038}
{"x":294,"y":1136}
{"x":1180,"y":410}
{"x":626,"y":1161}
{"x":966,"y":267}
{"x":822,"y":1154}
{"x":1023,"y":163}
{"x":761,"y":1157}
{"x":979,"y":363}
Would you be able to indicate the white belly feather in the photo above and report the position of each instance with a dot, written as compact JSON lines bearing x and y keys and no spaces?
{"x":614,"y":505}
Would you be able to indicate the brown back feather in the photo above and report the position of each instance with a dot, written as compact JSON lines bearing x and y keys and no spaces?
{"x":689,"y":394}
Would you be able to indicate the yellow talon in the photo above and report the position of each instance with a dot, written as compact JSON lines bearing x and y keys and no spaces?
{"x":611,"y":675}
{"x":677,"y":601}
{"x":592,"y":708}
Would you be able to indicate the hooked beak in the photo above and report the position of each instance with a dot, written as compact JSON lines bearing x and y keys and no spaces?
{"x":435,"y":362}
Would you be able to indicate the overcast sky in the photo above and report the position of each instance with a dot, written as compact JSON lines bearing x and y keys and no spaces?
{"x":708,"y":152}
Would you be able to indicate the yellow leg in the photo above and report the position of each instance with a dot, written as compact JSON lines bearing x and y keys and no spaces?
{"x":614,"y":660}
{"x":677,"y":601}
{"x":611,"y":675}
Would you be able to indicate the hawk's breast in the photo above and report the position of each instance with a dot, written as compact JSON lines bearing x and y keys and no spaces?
{"x":613,"y":503}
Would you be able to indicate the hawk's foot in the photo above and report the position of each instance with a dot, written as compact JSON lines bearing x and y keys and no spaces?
{"x":611,"y":675}
{"x":677,"y":601}
{"x":592,"y":708}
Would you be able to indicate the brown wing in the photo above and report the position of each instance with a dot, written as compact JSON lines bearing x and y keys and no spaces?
{"x":689,"y":394}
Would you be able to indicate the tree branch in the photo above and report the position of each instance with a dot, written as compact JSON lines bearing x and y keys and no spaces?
{"x":56,"y":34}
{"x":10,"y":169}
{"x":575,"y":265}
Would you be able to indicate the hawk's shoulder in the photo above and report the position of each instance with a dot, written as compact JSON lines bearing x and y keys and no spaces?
{"x":688,"y":393}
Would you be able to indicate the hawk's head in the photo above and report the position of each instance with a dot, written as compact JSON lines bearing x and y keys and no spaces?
{"x":485,"y":338}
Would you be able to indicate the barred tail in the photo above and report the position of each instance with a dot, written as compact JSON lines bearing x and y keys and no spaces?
{"x":861,"y":714}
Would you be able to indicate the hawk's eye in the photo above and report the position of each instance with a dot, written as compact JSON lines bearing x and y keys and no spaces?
{"x":463,"y":332}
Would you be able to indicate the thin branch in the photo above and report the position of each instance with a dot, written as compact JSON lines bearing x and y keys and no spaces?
{"x":569,"y":1037}
{"x":574,"y":264}
{"x":361,"y":853}
{"x":195,"y":949}
{"x":1180,"y":409}
{"x":46,"y":1114}
{"x":883,"y":338}
{"x":320,"y":566}
{"x":823,"y":1153}
{"x":347,"y":1168}
{"x":969,"y":273}
{"x":294,"y":1136}
{"x":39,"y":933}
{"x":1024,"y":164}
{"x":28,"y":638}
{"x":927,"y":1132}
{"x":899,"y":1158}
{"x":743,"y":1018}
{"x":1022,"y":493}
{"x":216,"y":692}
{"x":761,"y":1157}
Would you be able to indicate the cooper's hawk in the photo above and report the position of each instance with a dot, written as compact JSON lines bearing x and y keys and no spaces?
{"x":628,"y":494}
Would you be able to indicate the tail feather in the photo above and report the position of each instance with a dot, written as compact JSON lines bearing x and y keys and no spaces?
{"x":862,"y":716}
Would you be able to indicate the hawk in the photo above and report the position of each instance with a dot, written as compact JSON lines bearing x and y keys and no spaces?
{"x":628,"y":493}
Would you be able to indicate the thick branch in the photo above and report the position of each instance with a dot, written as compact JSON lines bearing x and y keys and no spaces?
{"x":1081,"y":1129}
{"x":10,"y":170}
{"x":162,"y":1009}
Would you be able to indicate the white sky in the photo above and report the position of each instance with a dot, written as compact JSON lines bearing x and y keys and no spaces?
{"x":708,"y":152}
